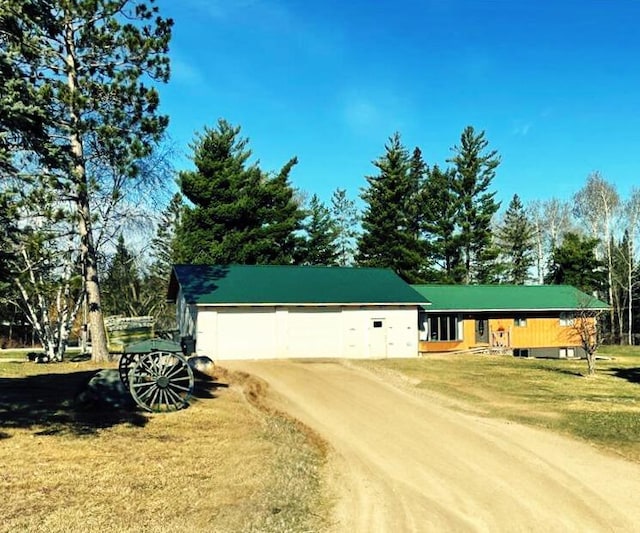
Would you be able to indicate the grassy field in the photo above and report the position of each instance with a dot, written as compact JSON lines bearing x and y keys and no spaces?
{"x":603,"y":409}
{"x":225,"y":464}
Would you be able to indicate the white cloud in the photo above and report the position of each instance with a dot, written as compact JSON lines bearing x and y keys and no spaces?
{"x":361,"y":113}
{"x":222,"y":9}
{"x":521,"y":128}
{"x":185,"y":72}
{"x":375,"y":111}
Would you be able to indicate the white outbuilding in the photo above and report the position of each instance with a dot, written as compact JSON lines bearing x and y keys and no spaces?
{"x":268,"y":312}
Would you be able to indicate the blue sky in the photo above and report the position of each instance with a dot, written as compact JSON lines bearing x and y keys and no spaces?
{"x":555,"y":85}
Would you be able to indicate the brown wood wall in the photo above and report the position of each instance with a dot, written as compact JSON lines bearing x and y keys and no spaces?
{"x":539,"y":332}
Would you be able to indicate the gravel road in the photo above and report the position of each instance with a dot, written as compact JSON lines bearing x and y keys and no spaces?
{"x":403,"y":461}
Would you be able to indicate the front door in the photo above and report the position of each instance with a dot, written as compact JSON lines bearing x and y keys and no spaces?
{"x":482,"y":331}
{"x":377,"y":338}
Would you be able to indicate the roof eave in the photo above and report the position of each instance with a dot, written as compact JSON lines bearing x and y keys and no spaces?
{"x":307,"y":304}
{"x":516,"y":309}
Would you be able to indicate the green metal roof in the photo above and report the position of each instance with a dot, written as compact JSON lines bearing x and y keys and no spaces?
{"x":507,"y":298}
{"x":295,"y":285}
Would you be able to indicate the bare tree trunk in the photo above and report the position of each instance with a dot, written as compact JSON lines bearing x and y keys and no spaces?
{"x":591,"y":363}
{"x":630,"y":301}
{"x":99,"y":351}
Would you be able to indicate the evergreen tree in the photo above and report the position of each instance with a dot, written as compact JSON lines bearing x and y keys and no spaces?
{"x":8,"y":240}
{"x":345,"y":219}
{"x":418,"y":172}
{"x":388,"y":239}
{"x":163,"y":257}
{"x":122,"y":283}
{"x":163,"y":245}
{"x":279,"y":221}
{"x":516,"y":241}
{"x":319,"y":246}
{"x":438,"y":215}
{"x":75,"y":90}
{"x":240,"y":214}
{"x":474,"y":169}
{"x":574,"y":263}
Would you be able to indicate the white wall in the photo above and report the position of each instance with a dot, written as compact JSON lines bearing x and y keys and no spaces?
{"x":297,"y":332}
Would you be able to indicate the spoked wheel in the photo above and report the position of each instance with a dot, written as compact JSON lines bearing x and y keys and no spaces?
{"x":126,"y":363}
{"x":161,"y":381}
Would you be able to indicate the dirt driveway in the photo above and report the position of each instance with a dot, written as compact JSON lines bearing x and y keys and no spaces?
{"x":405,"y":461}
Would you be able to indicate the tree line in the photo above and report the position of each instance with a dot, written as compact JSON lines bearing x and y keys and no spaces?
{"x":90,"y":222}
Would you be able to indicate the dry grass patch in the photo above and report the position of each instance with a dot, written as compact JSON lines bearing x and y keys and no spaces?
{"x":223,"y":464}
{"x":554,"y":394}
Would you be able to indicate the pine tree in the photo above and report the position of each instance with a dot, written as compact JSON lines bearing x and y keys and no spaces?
{"x":240,"y":214}
{"x":163,"y":257}
{"x":516,"y":241}
{"x":346,"y":219}
{"x":319,"y":245}
{"x":474,"y":168}
{"x":388,"y":239}
{"x":574,"y":263}
{"x":75,"y":90}
{"x":122,"y":283}
{"x":8,"y":240}
{"x":439,"y":208}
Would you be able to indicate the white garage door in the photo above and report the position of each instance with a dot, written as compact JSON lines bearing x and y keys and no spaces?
{"x":247,"y":333}
{"x":314,"y":332}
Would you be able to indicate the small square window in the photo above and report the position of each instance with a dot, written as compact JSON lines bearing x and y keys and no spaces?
{"x":377,"y":323}
{"x":520,"y":322}
{"x":566,"y":319}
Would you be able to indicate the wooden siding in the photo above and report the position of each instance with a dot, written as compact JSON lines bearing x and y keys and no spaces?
{"x":539,"y":332}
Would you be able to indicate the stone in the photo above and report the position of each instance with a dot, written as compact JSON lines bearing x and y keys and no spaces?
{"x":202,"y":364}
{"x":105,"y":389}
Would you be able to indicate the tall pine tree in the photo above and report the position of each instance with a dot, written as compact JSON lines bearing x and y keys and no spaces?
{"x":475,"y":166}
{"x":8,"y":239}
{"x":240,"y":214}
{"x":439,"y":208}
{"x":388,"y":238}
{"x":77,"y":87}
{"x":516,"y":241}
{"x":346,"y":219}
{"x":319,"y":242}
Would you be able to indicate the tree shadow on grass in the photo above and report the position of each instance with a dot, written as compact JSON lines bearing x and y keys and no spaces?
{"x":632,"y":375}
{"x":45,"y":403}
{"x":565,"y":371}
{"x":205,"y":386}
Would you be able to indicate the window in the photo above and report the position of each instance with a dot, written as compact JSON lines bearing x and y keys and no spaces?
{"x":566,"y":319}
{"x":567,"y":353}
{"x":442,"y":327}
{"x":520,"y":322}
{"x":377,"y":323}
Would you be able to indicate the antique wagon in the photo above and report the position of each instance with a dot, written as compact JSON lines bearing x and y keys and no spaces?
{"x":154,"y":370}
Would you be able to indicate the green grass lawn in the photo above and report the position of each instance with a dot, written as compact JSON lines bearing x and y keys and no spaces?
{"x":556,"y":394}
{"x":22,"y":354}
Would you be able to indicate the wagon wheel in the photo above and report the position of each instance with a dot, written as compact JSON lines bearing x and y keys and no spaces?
{"x":161,"y":381}
{"x":127,"y":360}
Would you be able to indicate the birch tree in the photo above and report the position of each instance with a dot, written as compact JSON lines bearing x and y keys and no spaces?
{"x":77,"y":78}
{"x":597,"y":206}
{"x":46,"y":270}
{"x":630,"y":282}
{"x":551,"y":221}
